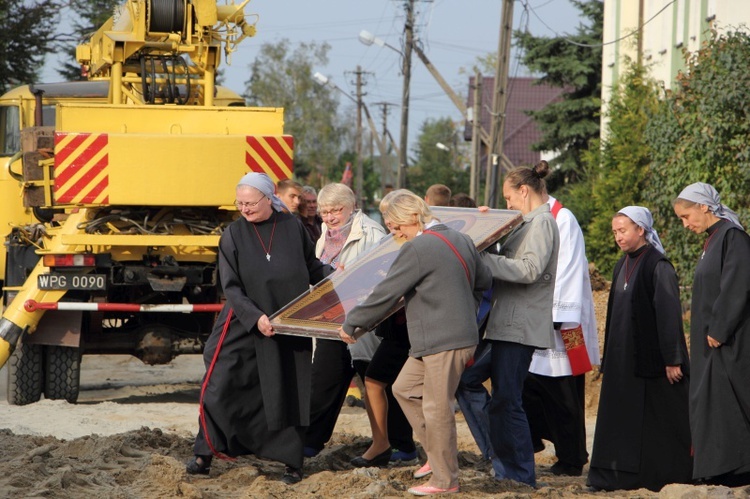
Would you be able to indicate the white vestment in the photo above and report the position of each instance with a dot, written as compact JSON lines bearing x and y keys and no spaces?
{"x":573,"y":302}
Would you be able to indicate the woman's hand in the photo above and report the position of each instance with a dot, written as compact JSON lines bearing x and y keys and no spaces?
{"x":674,"y":374}
{"x":483,"y":209}
{"x":345,"y":337}
{"x":265,"y":327}
{"x":712,"y":342}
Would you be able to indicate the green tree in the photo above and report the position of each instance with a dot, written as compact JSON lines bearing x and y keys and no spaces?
{"x":575,"y":64}
{"x":282,"y":76}
{"x":440,"y":158}
{"x":88,"y":16}
{"x":701,"y":133}
{"x":619,"y":169}
{"x":27,"y":34}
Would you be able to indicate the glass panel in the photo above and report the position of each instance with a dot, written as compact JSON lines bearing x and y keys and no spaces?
{"x":10,"y":130}
{"x":48,"y":114}
{"x":319,"y":312}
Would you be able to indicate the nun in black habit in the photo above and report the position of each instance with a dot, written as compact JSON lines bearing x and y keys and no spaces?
{"x":642,"y":435}
{"x":719,"y":339}
{"x":255,"y":394}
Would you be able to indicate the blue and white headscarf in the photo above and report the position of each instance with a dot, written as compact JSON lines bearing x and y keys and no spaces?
{"x":706,"y":194}
{"x":642,"y":217}
{"x":265,"y":185}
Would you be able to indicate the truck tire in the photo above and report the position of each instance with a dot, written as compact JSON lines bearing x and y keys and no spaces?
{"x":62,"y":373}
{"x":25,"y":375}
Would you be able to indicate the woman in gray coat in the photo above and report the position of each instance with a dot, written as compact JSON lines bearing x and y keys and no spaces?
{"x":440,"y":275}
{"x":521,"y":317}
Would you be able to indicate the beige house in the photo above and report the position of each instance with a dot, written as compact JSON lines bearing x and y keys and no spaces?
{"x":667,"y":28}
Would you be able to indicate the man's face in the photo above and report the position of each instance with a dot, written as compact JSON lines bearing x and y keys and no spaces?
{"x":311,"y":201}
{"x":291,"y":199}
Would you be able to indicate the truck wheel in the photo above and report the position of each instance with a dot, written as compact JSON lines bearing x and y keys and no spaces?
{"x":62,"y":373}
{"x":25,"y":375}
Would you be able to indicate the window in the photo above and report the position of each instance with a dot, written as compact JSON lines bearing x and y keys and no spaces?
{"x":10,"y":130}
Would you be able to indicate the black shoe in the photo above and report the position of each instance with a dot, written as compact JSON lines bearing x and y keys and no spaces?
{"x":381,"y":460}
{"x":199,"y":465}
{"x":292,"y":475}
{"x":566,"y":469}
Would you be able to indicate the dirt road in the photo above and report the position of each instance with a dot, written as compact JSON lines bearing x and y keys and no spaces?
{"x":132,"y":431}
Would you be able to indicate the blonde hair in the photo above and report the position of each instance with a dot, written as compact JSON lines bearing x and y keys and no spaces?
{"x":336,"y":195}
{"x":403,"y":207}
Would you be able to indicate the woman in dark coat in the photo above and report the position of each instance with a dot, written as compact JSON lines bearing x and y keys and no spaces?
{"x":255,"y":397}
{"x":642,"y":435}
{"x":719,"y":339}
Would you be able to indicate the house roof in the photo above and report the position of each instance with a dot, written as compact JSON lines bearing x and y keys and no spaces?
{"x":521,"y":131}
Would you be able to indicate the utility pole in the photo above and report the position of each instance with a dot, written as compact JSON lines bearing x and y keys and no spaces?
{"x":385,"y":172}
{"x":483,"y":134}
{"x":406,"y":70}
{"x":476,"y":142}
{"x":360,"y":173}
{"x":499,"y":104}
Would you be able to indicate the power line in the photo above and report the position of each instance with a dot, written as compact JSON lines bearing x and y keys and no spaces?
{"x":595,"y":45}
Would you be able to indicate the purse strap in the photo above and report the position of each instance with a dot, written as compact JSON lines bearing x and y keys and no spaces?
{"x":453,"y":248}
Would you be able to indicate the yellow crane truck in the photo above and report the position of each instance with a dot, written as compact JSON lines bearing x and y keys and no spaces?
{"x":114,"y":192}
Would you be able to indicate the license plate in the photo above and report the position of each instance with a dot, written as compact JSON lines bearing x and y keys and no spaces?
{"x":85,"y":282}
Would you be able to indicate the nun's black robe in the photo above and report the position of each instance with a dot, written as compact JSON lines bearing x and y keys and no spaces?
{"x":642,"y":434}
{"x":720,"y":384}
{"x":257,"y":399}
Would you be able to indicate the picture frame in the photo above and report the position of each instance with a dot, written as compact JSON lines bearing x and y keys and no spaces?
{"x":319,"y":312}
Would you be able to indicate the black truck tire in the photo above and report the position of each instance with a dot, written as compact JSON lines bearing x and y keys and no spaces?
{"x":25,"y":375}
{"x":62,"y":373}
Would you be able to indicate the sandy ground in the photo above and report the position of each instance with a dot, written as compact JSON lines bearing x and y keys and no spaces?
{"x":132,"y":431}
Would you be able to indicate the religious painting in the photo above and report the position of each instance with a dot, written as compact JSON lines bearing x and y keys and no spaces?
{"x":320,"y":311}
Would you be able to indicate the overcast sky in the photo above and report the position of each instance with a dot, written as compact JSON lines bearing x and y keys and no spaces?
{"x":452,"y":32}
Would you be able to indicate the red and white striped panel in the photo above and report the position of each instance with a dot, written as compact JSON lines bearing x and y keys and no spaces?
{"x":81,"y":161}
{"x":270,"y":154}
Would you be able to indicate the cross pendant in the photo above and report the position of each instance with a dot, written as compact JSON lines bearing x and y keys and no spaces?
{"x":268,"y":257}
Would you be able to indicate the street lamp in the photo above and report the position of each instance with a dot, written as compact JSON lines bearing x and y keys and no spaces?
{"x":368,"y":39}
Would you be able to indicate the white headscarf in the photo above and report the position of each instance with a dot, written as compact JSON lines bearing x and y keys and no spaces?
{"x":642,"y":217}
{"x":706,"y":194}
{"x":265,"y":185}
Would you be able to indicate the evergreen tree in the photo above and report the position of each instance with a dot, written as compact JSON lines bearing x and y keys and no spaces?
{"x":619,"y":169}
{"x":575,"y":64}
{"x":27,"y":34}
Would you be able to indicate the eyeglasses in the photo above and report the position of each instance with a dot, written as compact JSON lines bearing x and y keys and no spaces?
{"x":332,"y":211}
{"x":244,"y":204}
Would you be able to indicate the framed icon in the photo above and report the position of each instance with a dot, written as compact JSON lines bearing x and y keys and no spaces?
{"x":320,"y":311}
